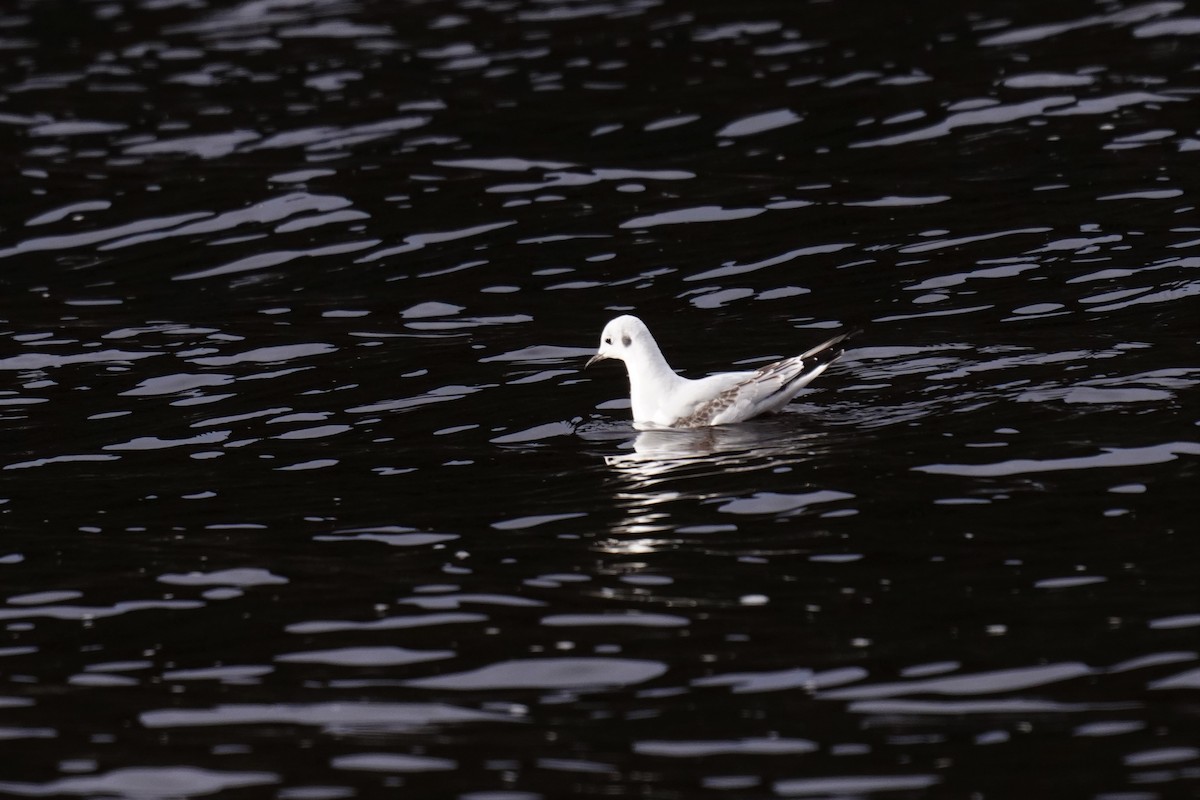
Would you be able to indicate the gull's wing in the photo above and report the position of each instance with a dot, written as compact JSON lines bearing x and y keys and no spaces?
{"x":767,"y":389}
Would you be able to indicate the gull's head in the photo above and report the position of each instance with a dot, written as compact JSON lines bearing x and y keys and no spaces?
{"x":621,"y":337}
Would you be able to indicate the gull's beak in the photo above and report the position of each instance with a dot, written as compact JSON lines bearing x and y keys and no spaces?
{"x":594,"y":359}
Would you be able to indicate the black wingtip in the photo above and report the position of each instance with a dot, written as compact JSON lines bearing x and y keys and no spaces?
{"x":832,"y":349}
{"x":847,"y":336}
{"x":839,"y":342}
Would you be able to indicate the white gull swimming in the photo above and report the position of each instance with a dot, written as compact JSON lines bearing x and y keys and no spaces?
{"x":660,"y":397}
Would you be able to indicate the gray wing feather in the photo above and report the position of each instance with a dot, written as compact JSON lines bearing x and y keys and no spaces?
{"x":769,"y":388}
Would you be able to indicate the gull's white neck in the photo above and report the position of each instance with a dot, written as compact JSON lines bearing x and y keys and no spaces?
{"x":651,"y":380}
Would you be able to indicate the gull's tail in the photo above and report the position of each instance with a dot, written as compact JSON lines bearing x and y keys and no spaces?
{"x":834,"y":346}
{"x":815,"y":361}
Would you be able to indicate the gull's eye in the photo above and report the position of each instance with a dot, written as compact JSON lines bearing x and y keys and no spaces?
{"x":608,"y":340}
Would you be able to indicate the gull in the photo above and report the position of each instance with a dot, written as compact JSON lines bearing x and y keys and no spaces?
{"x":662,"y":398}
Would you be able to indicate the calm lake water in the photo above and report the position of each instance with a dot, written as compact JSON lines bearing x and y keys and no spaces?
{"x":305,"y":493}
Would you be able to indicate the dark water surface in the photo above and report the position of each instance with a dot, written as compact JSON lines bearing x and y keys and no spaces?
{"x":305,"y":493}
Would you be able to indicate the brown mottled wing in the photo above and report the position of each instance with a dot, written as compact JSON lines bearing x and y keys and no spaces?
{"x":704,"y":413}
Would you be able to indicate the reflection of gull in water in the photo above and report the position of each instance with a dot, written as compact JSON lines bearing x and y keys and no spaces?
{"x":662,"y":398}
{"x":659,"y":464}
{"x":659,"y":451}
